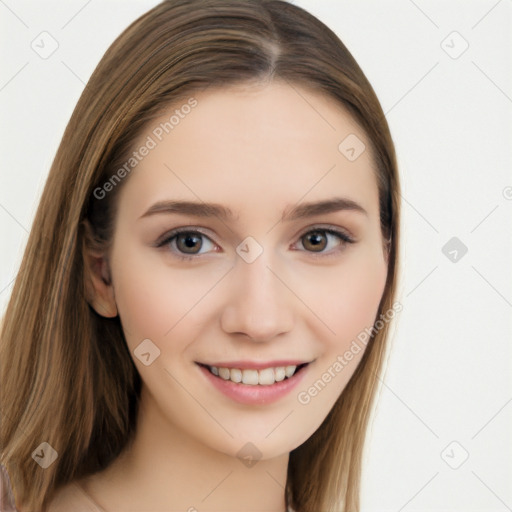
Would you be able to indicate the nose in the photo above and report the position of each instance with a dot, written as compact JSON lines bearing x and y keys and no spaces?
{"x":259,"y":306}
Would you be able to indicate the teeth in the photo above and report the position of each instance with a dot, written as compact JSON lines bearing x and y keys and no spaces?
{"x":265,"y":377}
{"x":224,"y":373}
{"x":280,"y":373}
{"x":235,"y":375}
{"x":289,"y":370}
{"x":250,"y":377}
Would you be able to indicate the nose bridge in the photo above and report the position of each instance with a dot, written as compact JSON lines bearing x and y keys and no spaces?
{"x":258,"y":278}
{"x":259,"y":305}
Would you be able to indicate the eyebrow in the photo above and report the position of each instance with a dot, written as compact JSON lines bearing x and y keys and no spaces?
{"x":300,"y":211}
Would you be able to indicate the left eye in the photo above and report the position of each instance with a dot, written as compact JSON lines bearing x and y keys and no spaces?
{"x":318,"y":240}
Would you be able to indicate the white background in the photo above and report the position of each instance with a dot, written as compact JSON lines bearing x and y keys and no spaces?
{"x":449,"y":372}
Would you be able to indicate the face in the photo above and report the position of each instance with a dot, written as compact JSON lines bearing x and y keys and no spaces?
{"x":261,"y":277}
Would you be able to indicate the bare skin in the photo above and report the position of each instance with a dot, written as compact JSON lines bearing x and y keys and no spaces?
{"x":259,"y":151}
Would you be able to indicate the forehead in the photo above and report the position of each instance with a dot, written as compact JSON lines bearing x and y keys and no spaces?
{"x":254,"y":145}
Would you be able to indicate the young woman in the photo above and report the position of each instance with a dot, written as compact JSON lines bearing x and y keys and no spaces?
{"x":202,"y":309}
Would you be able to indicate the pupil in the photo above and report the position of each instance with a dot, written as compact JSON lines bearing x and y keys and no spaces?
{"x":188,"y":241}
{"x":316,"y":240}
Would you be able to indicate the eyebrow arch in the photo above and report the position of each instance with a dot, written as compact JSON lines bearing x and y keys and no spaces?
{"x":212,"y":209}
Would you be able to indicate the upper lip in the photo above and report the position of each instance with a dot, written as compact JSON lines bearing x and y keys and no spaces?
{"x":257,"y":365}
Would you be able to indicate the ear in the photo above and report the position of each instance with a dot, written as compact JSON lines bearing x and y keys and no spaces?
{"x":98,"y":284}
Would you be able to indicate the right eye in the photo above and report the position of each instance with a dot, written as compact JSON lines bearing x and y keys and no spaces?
{"x":187,"y":243}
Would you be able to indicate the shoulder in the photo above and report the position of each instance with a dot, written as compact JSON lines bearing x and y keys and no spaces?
{"x":71,"y":497}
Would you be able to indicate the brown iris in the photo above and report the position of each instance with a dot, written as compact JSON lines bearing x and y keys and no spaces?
{"x":187,"y":242}
{"x":315,"y":241}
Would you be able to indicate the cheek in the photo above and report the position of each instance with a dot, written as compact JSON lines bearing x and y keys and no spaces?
{"x":144,"y":306}
{"x":346,"y":297}
{"x":360,"y":295}
{"x":156,"y":300}
{"x":348,"y":304}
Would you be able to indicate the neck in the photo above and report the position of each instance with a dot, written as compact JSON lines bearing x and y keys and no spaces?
{"x":167,"y":469}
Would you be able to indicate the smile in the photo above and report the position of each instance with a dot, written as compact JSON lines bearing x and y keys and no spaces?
{"x":253,"y":386}
{"x":252,"y":377}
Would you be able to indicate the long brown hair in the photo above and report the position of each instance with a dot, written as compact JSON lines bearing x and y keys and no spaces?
{"x":67,"y":377}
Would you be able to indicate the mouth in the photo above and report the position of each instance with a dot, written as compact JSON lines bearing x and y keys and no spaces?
{"x":255,"y":384}
{"x":265,"y":376}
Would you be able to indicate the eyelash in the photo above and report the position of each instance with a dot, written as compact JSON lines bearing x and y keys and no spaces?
{"x":345,"y":239}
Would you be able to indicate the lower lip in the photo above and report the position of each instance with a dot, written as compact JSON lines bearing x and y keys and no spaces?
{"x":254,"y":395}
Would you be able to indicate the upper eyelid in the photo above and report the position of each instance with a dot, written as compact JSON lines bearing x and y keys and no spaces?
{"x":329,"y":228}
{"x":177,"y":231}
